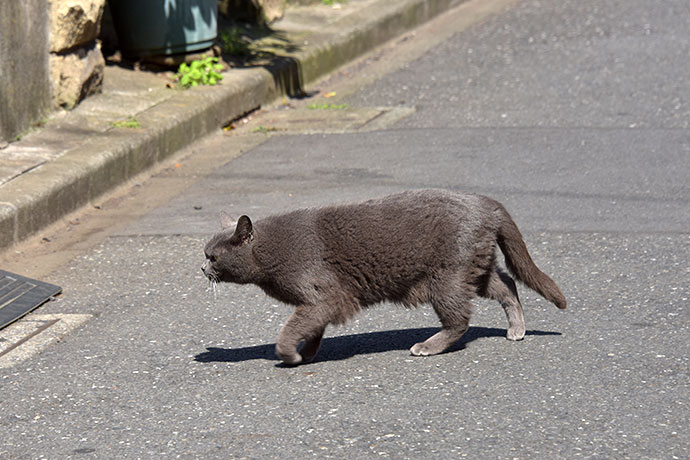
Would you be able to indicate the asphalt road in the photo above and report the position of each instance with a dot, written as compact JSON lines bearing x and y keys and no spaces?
{"x":574,"y":114}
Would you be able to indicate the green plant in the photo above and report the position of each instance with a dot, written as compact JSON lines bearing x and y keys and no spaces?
{"x":40,"y":123}
{"x":199,"y":72}
{"x":233,"y":43}
{"x":264,"y":130}
{"x":331,"y":2}
{"x":316,"y":106}
{"x":128,"y":123}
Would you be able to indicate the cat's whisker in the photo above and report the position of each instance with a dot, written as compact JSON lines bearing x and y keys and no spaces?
{"x":212,"y":285}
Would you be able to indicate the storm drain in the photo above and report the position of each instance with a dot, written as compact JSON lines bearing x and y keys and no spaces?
{"x":19,"y":295}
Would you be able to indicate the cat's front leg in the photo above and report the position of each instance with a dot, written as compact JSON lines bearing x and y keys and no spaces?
{"x":311,"y":346}
{"x":303,"y":325}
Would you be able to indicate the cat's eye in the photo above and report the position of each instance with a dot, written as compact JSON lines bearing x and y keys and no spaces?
{"x":212,"y":258}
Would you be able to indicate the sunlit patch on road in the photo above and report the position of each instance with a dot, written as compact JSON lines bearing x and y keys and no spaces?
{"x":29,"y":336}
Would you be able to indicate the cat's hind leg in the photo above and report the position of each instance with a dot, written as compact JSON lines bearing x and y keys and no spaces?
{"x":454,"y":311}
{"x":305,"y":324}
{"x":501,"y":287}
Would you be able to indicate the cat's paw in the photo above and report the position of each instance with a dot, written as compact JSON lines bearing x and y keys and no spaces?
{"x":290,"y":359}
{"x":293,"y":360}
{"x":307,"y":357}
{"x":421,"y":349}
{"x":516,"y":333}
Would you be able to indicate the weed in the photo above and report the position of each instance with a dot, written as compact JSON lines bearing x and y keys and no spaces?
{"x":316,"y":106}
{"x":128,"y":123}
{"x":200,"y":72}
{"x":233,"y":43}
{"x":40,"y":123}
{"x":263,"y":129}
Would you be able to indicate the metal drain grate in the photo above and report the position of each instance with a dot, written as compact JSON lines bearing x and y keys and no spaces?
{"x":19,"y":295}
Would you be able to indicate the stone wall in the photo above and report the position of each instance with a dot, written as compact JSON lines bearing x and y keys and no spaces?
{"x":49,"y":59}
{"x":24,"y":68}
{"x":76,"y":61}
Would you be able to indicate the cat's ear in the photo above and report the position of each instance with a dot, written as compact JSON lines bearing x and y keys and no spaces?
{"x":226,"y":221}
{"x":245,"y":229}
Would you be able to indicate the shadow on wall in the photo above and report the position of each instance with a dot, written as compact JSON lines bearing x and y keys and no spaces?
{"x":248,"y":45}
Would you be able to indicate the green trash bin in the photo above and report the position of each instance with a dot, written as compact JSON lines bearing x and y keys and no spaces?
{"x":164,"y":27}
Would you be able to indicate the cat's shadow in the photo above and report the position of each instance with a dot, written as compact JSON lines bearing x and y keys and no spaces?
{"x":346,"y":346}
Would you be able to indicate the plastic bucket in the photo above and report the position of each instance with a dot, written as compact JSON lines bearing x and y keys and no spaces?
{"x":164,"y":27}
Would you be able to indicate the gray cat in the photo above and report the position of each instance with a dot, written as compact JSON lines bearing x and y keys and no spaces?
{"x":413,"y":247}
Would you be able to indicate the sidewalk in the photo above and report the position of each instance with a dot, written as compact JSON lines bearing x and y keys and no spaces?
{"x":77,"y":156}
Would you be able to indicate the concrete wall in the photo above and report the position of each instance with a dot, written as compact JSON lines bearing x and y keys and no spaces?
{"x":24,"y":69}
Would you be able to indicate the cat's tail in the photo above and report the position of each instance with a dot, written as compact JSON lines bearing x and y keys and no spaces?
{"x":520,"y":263}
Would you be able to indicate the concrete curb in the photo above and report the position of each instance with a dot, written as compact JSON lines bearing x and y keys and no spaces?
{"x":42,"y":196}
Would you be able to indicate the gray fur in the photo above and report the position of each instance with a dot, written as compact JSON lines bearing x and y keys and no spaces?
{"x":424,"y":246}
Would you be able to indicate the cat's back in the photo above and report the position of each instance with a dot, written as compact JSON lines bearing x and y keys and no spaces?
{"x":422,"y":224}
{"x":410,"y":220}
{"x":405,"y":212}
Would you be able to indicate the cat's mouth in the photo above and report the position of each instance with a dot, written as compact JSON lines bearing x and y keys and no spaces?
{"x":213,"y":277}
{"x":210,"y":273}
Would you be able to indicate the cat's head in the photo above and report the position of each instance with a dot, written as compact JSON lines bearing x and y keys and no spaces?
{"x":229,"y":253}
